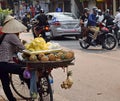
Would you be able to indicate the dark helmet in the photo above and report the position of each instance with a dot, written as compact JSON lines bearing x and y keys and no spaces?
{"x":41,"y":11}
{"x":85,"y":10}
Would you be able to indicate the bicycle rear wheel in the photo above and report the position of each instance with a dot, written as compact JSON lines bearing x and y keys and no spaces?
{"x":19,"y":86}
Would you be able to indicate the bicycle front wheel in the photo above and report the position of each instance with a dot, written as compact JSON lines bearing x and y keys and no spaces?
{"x":45,"y":89}
{"x":20,"y":86}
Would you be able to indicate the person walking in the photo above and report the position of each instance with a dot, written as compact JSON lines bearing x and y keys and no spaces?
{"x":9,"y":45}
{"x":108,"y":18}
{"x":100,"y":16}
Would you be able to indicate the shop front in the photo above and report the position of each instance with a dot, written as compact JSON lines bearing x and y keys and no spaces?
{"x":100,"y":4}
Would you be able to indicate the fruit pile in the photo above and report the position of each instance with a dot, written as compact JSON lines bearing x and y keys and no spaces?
{"x":40,"y":44}
{"x":68,"y":82}
{"x":52,"y":56}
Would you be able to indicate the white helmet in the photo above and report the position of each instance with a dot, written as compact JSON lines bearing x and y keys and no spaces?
{"x":34,"y":21}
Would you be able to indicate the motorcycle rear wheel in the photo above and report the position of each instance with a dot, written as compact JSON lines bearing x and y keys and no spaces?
{"x":110,"y":42}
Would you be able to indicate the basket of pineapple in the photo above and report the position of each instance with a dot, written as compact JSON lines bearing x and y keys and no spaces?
{"x":42,"y":54}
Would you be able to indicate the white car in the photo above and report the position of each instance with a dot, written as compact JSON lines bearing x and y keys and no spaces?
{"x":63,"y":24}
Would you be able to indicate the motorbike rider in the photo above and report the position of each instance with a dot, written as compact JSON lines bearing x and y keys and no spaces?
{"x":42,"y":21}
{"x":92,"y":24}
{"x":108,"y":18}
{"x":117,"y":21}
{"x":84,"y":21}
{"x":100,"y":16}
{"x":26,"y":21}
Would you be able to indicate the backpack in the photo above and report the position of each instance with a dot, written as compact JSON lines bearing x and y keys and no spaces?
{"x":42,"y":20}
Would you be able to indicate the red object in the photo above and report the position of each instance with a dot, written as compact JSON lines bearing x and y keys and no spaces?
{"x":0,"y":30}
{"x":105,"y":29}
{"x":57,"y":23}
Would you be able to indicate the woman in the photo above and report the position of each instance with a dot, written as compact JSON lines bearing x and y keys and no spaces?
{"x":9,"y":46}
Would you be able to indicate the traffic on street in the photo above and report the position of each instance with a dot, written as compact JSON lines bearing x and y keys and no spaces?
{"x":67,"y":50}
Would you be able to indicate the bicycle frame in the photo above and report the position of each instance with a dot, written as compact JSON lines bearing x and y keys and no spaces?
{"x":42,"y":81}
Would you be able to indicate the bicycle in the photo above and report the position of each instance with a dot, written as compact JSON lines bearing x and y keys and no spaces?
{"x":44,"y":88}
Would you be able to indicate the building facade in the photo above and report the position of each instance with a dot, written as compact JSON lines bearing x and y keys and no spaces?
{"x":103,"y":4}
{"x":74,"y":6}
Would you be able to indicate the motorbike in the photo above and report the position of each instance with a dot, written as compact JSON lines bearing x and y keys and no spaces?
{"x":112,"y":29}
{"x":43,"y":31}
{"x":106,"y":39}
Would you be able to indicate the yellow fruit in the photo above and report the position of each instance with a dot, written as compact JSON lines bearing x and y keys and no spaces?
{"x":31,"y":49}
{"x":27,"y":45}
{"x":37,"y":44}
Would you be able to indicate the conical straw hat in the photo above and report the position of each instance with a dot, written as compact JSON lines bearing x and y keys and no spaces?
{"x":13,"y":26}
{"x":8,"y":18}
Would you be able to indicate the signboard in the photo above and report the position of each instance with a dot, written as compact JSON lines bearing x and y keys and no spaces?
{"x":58,"y":9}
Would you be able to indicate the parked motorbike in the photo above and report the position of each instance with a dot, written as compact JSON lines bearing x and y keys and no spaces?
{"x":43,"y":31}
{"x":106,"y":39}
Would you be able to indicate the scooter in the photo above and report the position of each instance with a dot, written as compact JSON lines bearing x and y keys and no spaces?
{"x":43,"y":31}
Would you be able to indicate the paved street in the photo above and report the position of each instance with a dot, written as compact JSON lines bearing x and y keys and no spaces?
{"x":96,"y":76}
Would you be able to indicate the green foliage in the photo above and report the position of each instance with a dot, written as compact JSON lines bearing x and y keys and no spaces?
{"x":3,"y":14}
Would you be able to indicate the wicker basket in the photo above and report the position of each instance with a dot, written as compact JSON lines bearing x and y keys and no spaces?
{"x":50,"y":64}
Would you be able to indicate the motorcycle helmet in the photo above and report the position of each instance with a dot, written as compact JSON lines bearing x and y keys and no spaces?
{"x":107,"y":11}
{"x":85,"y":10}
{"x":99,"y":11}
{"x":95,"y":9}
{"x":41,"y":11}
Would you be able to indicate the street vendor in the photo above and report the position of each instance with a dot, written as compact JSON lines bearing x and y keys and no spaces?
{"x":9,"y":45}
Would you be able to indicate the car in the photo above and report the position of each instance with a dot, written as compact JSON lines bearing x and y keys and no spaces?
{"x":63,"y":24}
